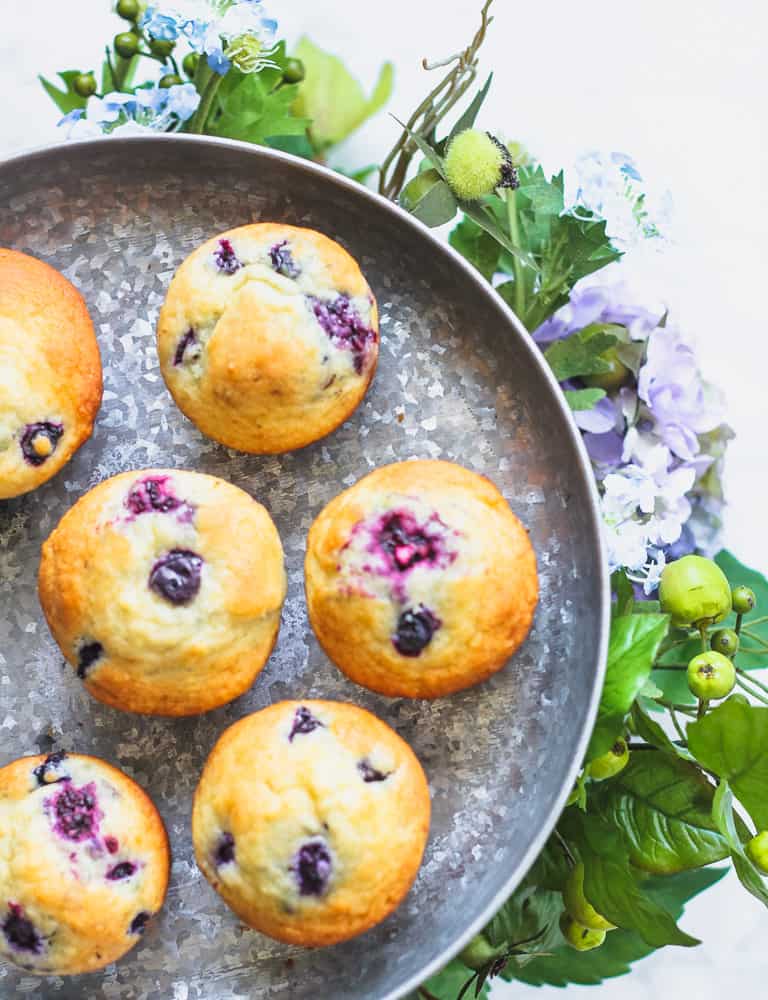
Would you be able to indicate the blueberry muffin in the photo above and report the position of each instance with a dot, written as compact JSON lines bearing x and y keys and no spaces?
{"x":50,"y":372}
{"x":310,"y":819}
{"x":420,"y":580}
{"x":163,"y":589}
{"x":83,"y":863}
{"x":268,"y":338}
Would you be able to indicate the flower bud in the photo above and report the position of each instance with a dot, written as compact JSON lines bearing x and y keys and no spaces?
{"x":477,"y":163}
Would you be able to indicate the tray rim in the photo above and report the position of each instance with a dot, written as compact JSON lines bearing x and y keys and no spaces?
{"x":20,"y":159}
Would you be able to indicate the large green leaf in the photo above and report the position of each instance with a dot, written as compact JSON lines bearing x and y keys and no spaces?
{"x":738,"y":574}
{"x":333,"y":98}
{"x":732,"y":741}
{"x":448,"y":983}
{"x":580,"y":354}
{"x":648,"y":729}
{"x":749,"y":875}
{"x":251,"y":107}
{"x":530,"y":915}
{"x":65,"y":100}
{"x":583,"y":399}
{"x":620,"y":948}
{"x":633,"y":645}
{"x":663,"y":807}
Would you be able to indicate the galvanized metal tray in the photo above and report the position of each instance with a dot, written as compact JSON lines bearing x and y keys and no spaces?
{"x":458,"y":379}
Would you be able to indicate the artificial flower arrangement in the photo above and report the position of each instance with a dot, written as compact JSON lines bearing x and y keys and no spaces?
{"x":674,"y":779}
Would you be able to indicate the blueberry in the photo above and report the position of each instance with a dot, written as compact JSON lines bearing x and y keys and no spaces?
{"x":39,"y":441}
{"x":87,"y":655}
{"x":415,"y":630}
{"x":225,"y":258}
{"x":139,"y":922}
{"x":77,"y":813}
{"x":124,"y":870}
{"x":283,"y":262}
{"x":369,"y":773}
{"x":20,"y":932}
{"x":225,"y":849}
{"x":312,"y":867}
{"x":344,"y":326}
{"x":46,"y":772}
{"x":176,"y":576}
{"x":190,"y":337}
{"x":303,"y":722}
{"x":405,"y":541}
{"x":152,"y":494}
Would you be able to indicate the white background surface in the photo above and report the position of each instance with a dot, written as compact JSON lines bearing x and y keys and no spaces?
{"x":678,"y":84}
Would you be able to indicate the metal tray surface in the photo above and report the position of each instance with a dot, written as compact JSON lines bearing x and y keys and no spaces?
{"x":458,"y":379}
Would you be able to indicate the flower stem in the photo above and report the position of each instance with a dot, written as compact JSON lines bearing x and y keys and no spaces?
{"x":200,"y":118}
{"x":752,"y":680}
{"x":754,"y":637}
{"x":676,"y":724}
{"x":514,"y":235}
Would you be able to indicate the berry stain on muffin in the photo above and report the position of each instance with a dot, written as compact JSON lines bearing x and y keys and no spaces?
{"x":188,"y":340}
{"x":225,"y":258}
{"x":312,"y":867}
{"x":304,"y":722}
{"x":415,"y":629}
{"x":225,"y":850}
{"x":176,"y":576}
{"x":369,"y":773}
{"x":282,"y":260}
{"x":49,"y":772}
{"x":406,"y":543}
{"x":87,"y":655}
{"x":139,"y":922}
{"x":154,"y":494}
{"x":19,"y":931}
{"x":123,"y":870}
{"x":39,"y":441}
{"x":76,"y":812}
{"x":112,"y":844}
{"x":346,"y":329}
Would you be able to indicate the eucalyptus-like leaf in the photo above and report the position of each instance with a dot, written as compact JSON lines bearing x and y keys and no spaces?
{"x":663,"y":807}
{"x":429,"y":198}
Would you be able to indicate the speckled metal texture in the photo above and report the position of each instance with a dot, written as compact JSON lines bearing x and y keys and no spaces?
{"x":458,"y":379}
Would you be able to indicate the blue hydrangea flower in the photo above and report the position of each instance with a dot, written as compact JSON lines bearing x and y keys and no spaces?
{"x":161,"y":24}
{"x":183,"y":100}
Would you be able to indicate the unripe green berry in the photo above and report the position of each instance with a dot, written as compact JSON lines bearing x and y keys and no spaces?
{"x":126,"y":44}
{"x":578,"y":936}
{"x":128,"y":9}
{"x":169,"y":80}
{"x":84,"y":84}
{"x":578,"y":906}
{"x":725,"y":641}
{"x":479,"y":952}
{"x":711,"y":675}
{"x":743,"y":600}
{"x":757,"y":849}
{"x":694,"y":591}
{"x":294,"y":71}
{"x":161,"y":47}
{"x":190,"y":62}
{"x":617,"y":375}
{"x":476,"y":164}
{"x":609,"y":764}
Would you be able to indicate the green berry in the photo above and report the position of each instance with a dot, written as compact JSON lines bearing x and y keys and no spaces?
{"x":169,"y":80}
{"x":293,"y":71}
{"x":743,"y":600}
{"x":189,"y":63}
{"x":128,"y":9}
{"x":476,"y":164}
{"x":617,"y":375}
{"x":725,"y":641}
{"x":161,"y":47}
{"x":757,"y":849}
{"x":84,"y":84}
{"x":578,"y":906}
{"x":711,"y":675}
{"x":694,"y":591}
{"x":578,"y":936}
{"x":609,"y":764}
{"x":126,"y":44}
{"x":479,"y":952}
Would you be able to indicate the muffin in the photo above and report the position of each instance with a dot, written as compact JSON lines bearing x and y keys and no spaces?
{"x":268,"y":338}
{"x":310,"y":819}
{"x":420,"y":580}
{"x":163,"y":589}
{"x":83,"y":863}
{"x":50,"y":372}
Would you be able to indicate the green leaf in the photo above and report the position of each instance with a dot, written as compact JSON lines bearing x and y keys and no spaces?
{"x":621,"y":948}
{"x":732,"y":741}
{"x":448,"y":983}
{"x":622,"y":587}
{"x":65,"y":100}
{"x":531,"y":914}
{"x":550,"y":869}
{"x":429,"y":199}
{"x":738,"y":574}
{"x":649,"y":730}
{"x":467,"y":120}
{"x":583,"y":399}
{"x":251,"y":109}
{"x":632,"y":648}
{"x":663,"y":807}
{"x":479,"y":248}
{"x":332,"y":98}
{"x":480,"y":214}
{"x":579,"y":354}
{"x":749,"y":875}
